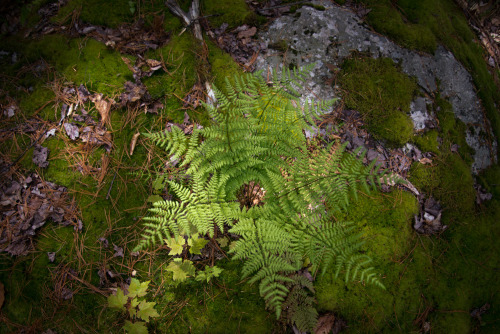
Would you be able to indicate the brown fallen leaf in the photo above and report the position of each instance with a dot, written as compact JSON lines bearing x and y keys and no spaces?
{"x":425,"y":161}
{"x":134,"y":142}
{"x":104,"y":168}
{"x":247,"y":33}
{"x":97,"y":136}
{"x":154,"y":64}
{"x":40,"y":155}
{"x":103,"y":106}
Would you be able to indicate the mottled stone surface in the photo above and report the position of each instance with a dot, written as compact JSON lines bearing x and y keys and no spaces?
{"x":329,"y":36}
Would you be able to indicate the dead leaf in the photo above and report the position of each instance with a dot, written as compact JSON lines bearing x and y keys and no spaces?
{"x":104,"y":242}
{"x":247,"y":33}
{"x":103,"y":106}
{"x":425,"y":161}
{"x":97,"y":136}
{"x":104,"y":168}
{"x":134,"y":142}
{"x":83,"y":94}
{"x":66,"y":294}
{"x":154,"y":64}
{"x":118,"y":251}
{"x":10,"y":111}
{"x":26,"y":205}
{"x":40,"y":155}
{"x":71,"y":130}
{"x":133,"y":92}
{"x":51,"y":256}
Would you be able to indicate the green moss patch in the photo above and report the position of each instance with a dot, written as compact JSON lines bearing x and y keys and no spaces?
{"x":110,"y":13}
{"x":382,"y":93}
{"x":83,"y":61}
{"x":232,"y":12}
{"x":428,"y":142}
{"x":448,"y":178}
{"x":172,"y":86}
{"x":224,"y":305}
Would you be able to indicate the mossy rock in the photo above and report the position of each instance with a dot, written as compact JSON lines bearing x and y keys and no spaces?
{"x":421,"y":25}
{"x":382,"y":94}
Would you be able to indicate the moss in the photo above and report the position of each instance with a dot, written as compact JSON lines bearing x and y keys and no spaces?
{"x":233,"y":12}
{"x":215,"y":307}
{"x":83,"y":61}
{"x":489,"y":180}
{"x":280,"y":45}
{"x":385,"y":222}
{"x":470,"y":258}
{"x":109,"y":13}
{"x":223,"y":65}
{"x":428,"y":142}
{"x":29,"y":12}
{"x":387,"y":20}
{"x":35,"y":102}
{"x":452,"y":130}
{"x":449,"y":180}
{"x":171,"y":87}
{"x":382,"y":94}
{"x":420,"y":24}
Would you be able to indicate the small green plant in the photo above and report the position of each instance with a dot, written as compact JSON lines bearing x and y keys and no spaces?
{"x":208,"y":273}
{"x":131,"y":6}
{"x":135,"y":307}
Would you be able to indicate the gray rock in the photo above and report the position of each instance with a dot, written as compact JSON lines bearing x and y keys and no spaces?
{"x":419,"y":114}
{"x":329,"y":36}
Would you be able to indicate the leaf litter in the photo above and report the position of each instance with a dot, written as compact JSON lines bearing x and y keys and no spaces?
{"x":26,"y":204}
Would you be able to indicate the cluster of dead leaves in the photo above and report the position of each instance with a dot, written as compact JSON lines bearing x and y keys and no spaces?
{"x":239,"y":44}
{"x":91,"y":133}
{"x":136,"y":94}
{"x":397,"y":160}
{"x":26,"y":205}
{"x":135,"y":38}
{"x":484,"y":18}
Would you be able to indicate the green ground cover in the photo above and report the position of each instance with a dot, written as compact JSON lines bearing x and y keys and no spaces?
{"x":429,"y":279}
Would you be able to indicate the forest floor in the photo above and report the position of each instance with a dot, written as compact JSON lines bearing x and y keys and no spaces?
{"x":81,"y":82}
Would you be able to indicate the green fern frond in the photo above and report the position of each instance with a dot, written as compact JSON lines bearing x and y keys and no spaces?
{"x":256,"y":136}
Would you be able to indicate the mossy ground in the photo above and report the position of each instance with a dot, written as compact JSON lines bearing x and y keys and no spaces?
{"x":436,"y":279}
{"x":31,"y":281}
{"x":382,"y":94}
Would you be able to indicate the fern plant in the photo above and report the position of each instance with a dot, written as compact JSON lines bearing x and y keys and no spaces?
{"x":256,"y":137}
